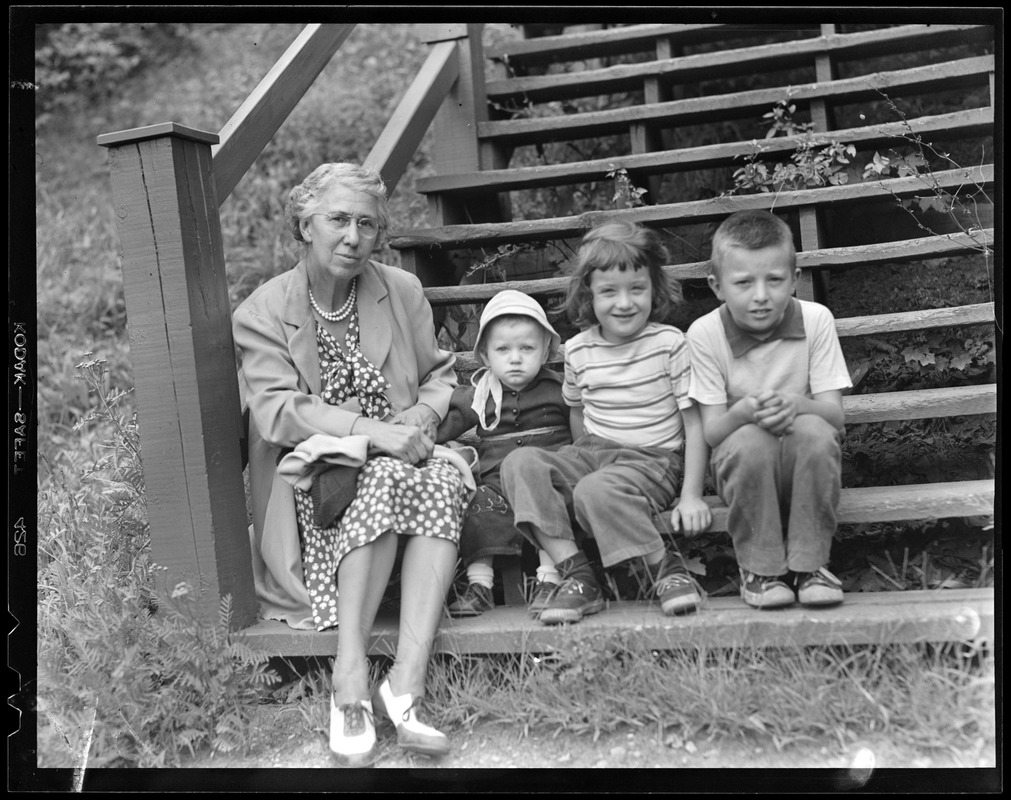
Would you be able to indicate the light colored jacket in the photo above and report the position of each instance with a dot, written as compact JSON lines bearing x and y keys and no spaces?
{"x":280,"y":384}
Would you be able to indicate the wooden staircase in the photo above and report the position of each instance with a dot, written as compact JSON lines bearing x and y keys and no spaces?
{"x":683,"y":76}
{"x":676,"y":107}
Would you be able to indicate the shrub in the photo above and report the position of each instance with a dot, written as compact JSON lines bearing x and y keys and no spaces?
{"x":121,"y":679}
{"x":85,"y":62}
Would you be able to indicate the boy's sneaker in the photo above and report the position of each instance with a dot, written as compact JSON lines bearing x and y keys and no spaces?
{"x":820,"y":588}
{"x":475,"y":600}
{"x":678,"y":593}
{"x":541,"y":595}
{"x":574,"y":599}
{"x":760,"y":591}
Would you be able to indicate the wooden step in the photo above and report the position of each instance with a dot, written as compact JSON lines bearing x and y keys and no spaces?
{"x":963,"y":124}
{"x":739,"y":61}
{"x":965,"y":615}
{"x":952,"y":401}
{"x":904,"y":503}
{"x":827,"y":258}
{"x":696,"y":211}
{"x":522,"y":53}
{"x":739,"y":105}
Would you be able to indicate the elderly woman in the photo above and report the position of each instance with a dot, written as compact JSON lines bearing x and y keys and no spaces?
{"x":341,"y":345}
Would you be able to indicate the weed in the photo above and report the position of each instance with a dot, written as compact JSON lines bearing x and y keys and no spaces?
{"x":125,"y":678}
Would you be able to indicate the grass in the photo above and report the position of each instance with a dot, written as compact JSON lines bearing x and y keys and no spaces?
{"x":927,"y":698}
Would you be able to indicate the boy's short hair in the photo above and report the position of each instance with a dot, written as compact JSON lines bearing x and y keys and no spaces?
{"x":751,"y":230}
{"x":624,"y":245}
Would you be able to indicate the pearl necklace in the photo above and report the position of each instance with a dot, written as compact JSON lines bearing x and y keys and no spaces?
{"x":341,"y":313}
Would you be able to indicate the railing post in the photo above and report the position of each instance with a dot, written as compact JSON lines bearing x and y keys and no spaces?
{"x":179,"y":320}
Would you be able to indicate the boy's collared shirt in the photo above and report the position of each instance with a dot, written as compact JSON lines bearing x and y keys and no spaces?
{"x":791,"y":326}
{"x":801,"y":356}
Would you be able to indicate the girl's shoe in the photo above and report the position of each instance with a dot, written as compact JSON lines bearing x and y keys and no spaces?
{"x":411,"y":734}
{"x":820,"y":588}
{"x":760,"y":591}
{"x":678,"y":593}
{"x":352,"y":733}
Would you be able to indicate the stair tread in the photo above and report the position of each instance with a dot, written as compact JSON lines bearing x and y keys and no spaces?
{"x":736,"y":61}
{"x":965,"y":122}
{"x":948,"y":74}
{"x":863,"y":618}
{"x":695,"y":211}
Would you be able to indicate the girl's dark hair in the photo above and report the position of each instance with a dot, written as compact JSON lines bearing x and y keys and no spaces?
{"x":624,"y":245}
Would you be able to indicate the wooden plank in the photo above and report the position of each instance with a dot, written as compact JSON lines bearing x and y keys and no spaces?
{"x":863,"y":255}
{"x":916,"y":501}
{"x":952,"y":401}
{"x":695,"y":211}
{"x":738,"y":105}
{"x":940,"y":615}
{"x":738,"y":61}
{"x":964,"y":123}
{"x":401,"y":136}
{"x":874,"y":324}
{"x":593,"y":44}
{"x":261,"y":115}
{"x":184,"y":367}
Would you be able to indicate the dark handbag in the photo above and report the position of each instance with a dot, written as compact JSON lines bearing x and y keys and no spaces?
{"x":332,"y":491}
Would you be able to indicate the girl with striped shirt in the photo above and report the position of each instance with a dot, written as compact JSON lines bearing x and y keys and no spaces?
{"x":638,"y":444}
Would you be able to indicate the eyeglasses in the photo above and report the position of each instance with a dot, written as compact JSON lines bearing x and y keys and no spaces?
{"x":368,"y":228}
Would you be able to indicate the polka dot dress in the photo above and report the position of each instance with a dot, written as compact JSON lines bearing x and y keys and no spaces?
{"x":426,"y":499}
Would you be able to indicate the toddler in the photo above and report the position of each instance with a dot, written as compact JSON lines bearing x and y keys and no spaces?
{"x":637,"y":437}
{"x":514,"y":401}
{"x":768,"y":374}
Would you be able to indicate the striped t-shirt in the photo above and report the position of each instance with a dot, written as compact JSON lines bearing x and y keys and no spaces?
{"x":632,"y":392}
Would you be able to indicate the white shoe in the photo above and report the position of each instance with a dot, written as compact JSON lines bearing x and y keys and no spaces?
{"x":411,"y":734}
{"x":352,"y":733}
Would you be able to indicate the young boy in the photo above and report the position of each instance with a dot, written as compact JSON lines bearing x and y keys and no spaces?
{"x":514,"y":401}
{"x":768,"y":374}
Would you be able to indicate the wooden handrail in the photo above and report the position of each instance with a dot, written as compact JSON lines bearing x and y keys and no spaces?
{"x":246,"y":134}
{"x":403,"y":133}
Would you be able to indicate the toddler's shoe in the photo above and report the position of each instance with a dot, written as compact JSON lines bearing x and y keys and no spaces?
{"x":352,"y":733}
{"x":820,"y":588}
{"x":761,"y":591}
{"x":475,"y":600}
{"x":541,"y":595}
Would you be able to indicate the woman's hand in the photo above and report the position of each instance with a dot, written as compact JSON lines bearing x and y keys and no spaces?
{"x":420,"y":416}
{"x":409,"y":443}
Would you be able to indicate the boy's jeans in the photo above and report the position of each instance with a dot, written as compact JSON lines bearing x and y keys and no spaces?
{"x":612,"y":491}
{"x":782,"y":494}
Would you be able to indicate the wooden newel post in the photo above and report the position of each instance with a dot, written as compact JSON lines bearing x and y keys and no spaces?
{"x":179,"y":320}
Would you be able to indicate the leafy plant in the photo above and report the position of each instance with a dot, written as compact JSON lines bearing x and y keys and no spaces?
{"x":961,"y":208}
{"x":626,"y":193}
{"x":125,"y":678}
{"x":811,"y":165}
{"x":78,"y":62}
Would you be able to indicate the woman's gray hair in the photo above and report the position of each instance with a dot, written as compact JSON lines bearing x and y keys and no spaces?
{"x":303,"y":200}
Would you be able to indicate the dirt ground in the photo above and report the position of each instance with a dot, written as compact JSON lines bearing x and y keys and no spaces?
{"x":716,"y":763}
